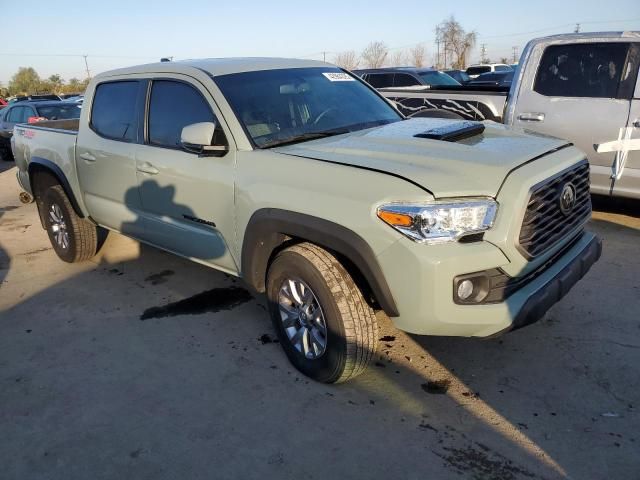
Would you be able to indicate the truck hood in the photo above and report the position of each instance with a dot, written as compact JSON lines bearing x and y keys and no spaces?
{"x":475,"y":166}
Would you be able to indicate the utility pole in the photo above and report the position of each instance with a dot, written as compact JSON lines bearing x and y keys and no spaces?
{"x":324,"y":56}
{"x":86,"y":65}
{"x":577,"y":30}
{"x":438,"y":46}
{"x":515,"y":54}
{"x":483,"y":53}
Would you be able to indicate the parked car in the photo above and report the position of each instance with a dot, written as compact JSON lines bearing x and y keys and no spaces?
{"x":579,"y":87}
{"x":25,"y":98}
{"x":495,"y":79}
{"x":302,"y":180}
{"x":459,"y":76}
{"x":474,"y":70}
{"x":399,"y":77}
{"x":31,"y":112}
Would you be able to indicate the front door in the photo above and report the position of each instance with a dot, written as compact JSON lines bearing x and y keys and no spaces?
{"x":187,"y":199}
{"x":580,"y":92}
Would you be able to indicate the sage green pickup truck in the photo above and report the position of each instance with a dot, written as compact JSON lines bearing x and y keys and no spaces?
{"x":302,"y":180}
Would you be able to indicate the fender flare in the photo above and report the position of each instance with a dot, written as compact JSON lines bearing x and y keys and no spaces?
{"x":269,"y":228}
{"x":42,"y":164}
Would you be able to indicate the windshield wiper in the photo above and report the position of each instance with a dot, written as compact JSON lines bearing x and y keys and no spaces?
{"x":304,"y":137}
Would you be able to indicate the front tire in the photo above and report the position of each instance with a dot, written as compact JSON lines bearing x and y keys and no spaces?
{"x":324,"y":324}
{"x":74,"y":239}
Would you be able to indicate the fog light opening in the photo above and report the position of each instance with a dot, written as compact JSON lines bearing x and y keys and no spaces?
{"x":465,"y":289}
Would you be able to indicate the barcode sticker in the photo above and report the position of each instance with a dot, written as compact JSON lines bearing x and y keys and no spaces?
{"x":339,"y":77}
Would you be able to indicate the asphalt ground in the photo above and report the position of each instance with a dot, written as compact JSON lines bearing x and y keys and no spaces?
{"x":143,"y":365}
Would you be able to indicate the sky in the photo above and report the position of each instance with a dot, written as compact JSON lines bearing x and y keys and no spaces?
{"x":53,"y":38}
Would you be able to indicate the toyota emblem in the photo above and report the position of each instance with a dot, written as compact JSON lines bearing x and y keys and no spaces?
{"x":567,"y":198}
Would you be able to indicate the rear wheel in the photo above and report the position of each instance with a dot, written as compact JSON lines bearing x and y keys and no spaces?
{"x":74,"y":239}
{"x":324,"y":324}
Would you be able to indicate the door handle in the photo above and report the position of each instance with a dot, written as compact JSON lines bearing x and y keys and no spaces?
{"x":531,"y":117}
{"x":146,"y":167}
{"x":87,"y":157}
{"x":636,"y":123}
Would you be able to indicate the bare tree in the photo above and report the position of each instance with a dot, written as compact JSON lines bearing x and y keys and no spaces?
{"x":417,"y":55}
{"x":504,"y":60}
{"x":398,"y":59}
{"x":375,"y":54}
{"x":347,"y":60}
{"x":456,"y":41}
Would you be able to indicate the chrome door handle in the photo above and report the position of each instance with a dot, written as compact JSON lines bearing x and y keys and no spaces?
{"x":531,"y":117}
{"x":87,"y":157}
{"x":636,"y":123}
{"x":146,"y":167}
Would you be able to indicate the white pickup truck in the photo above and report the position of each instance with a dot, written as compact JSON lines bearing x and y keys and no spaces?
{"x":580,"y":87}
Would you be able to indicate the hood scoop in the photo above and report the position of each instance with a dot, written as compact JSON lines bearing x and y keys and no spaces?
{"x":453,"y":132}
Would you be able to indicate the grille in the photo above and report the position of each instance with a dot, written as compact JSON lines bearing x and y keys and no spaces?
{"x":544,"y":222}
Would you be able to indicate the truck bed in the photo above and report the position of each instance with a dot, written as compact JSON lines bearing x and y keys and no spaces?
{"x":51,"y":140}
{"x":471,"y":103}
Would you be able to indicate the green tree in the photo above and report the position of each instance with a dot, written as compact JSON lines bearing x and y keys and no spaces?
{"x":26,"y":80}
{"x":56,"y":83}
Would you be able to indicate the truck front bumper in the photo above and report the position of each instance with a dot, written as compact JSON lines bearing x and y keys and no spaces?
{"x":421,"y":282}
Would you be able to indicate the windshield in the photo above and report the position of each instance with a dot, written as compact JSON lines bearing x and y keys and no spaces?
{"x":277,"y":107}
{"x":438,"y":78}
{"x":60,"y":112}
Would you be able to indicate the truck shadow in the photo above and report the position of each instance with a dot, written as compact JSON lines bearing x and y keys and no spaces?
{"x":132,"y":363}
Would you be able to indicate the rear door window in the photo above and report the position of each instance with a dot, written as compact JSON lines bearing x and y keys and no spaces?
{"x":381,"y":80}
{"x":404,"y":80}
{"x":113,"y":113}
{"x":173,"y":106}
{"x":581,"y":70}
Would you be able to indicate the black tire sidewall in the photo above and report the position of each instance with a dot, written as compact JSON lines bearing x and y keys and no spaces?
{"x":51,"y":196}
{"x":329,"y":367}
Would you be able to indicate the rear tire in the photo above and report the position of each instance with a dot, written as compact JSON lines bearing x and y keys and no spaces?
{"x":74,"y":239}
{"x":349,"y":323}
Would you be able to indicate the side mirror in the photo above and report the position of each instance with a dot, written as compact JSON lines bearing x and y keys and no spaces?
{"x":197,"y":137}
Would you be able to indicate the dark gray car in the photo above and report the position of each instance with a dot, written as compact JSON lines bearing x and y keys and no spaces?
{"x":31,"y":112}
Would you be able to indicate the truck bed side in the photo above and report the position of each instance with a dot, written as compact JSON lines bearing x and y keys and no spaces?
{"x":471,"y":104}
{"x":48,"y":146}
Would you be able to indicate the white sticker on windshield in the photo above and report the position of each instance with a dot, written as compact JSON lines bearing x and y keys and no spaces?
{"x":339,"y":77}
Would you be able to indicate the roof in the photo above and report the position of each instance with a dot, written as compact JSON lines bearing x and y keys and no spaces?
{"x":628,"y":35}
{"x":219,"y":66}
{"x":395,"y":69}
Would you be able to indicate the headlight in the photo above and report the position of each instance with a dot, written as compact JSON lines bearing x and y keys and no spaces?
{"x":440,"y":221}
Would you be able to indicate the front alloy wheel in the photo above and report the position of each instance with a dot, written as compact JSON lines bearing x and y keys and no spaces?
{"x":302,"y":318}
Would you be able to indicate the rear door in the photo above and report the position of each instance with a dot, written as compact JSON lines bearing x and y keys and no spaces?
{"x":105,"y":155}
{"x":628,"y":184}
{"x":580,"y":92}
{"x":187,"y":198}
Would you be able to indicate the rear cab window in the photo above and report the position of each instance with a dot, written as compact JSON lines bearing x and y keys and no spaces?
{"x":582,"y":70}
{"x":478,"y":70}
{"x":114,"y":110}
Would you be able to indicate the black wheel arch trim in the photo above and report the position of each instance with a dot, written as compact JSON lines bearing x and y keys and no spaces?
{"x":269,"y":228}
{"x":38,"y":163}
